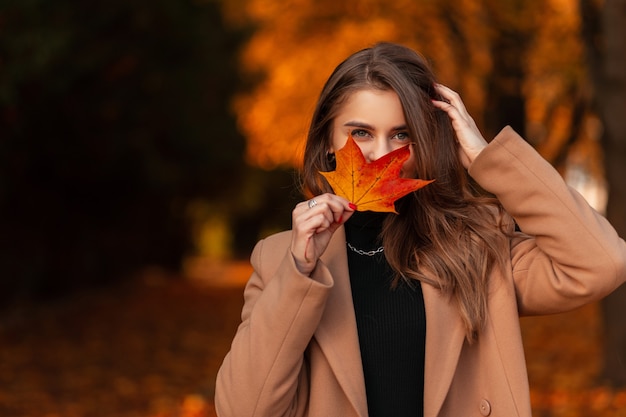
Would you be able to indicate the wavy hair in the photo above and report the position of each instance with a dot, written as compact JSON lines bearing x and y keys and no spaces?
{"x":448,"y":234}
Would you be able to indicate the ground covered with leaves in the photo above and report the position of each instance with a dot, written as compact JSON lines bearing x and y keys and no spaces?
{"x":152,"y":347}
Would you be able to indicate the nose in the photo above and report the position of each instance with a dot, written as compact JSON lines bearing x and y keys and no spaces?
{"x":377,"y":149}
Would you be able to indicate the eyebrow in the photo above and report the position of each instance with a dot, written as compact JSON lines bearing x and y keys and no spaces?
{"x":354,"y":123}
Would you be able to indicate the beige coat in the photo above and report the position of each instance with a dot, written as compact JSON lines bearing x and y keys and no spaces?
{"x":296,"y":352}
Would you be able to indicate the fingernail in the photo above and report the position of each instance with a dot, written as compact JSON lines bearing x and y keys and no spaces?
{"x":340,"y":219}
{"x":352,"y":206}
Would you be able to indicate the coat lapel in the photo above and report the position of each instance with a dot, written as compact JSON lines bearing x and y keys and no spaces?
{"x":338,"y":338}
{"x":337,"y":331}
{"x":445,"y":335}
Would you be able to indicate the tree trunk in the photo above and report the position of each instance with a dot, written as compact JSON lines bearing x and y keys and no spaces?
{"x":604,"y":32}
{"x":505,"y":101}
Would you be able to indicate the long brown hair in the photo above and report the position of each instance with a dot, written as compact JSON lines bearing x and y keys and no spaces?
{"x":447,"y":233}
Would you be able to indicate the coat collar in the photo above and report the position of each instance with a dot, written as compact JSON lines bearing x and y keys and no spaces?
{"x":338,"y":338}
{"x":445,"y":335}
{"x":337,"y":332}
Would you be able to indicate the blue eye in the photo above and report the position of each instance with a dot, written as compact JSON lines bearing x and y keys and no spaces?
{"x":359,"y":133}
{"x":401,"y":136}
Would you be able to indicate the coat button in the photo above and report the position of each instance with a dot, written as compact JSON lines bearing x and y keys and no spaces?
{"x":485,"y":407}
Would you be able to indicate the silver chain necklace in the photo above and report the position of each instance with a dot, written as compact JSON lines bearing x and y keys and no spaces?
{"x":365,"y":252}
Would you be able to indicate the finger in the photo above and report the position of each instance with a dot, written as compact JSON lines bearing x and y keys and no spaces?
{"x":321,"y":214}
{"x":459,"y":119}
{"x":321,"y":217}
{"x":308,"y":224}
{"x":315,"y":219}
{"x":340,"y":207}
{"x":309,"y":240}
{"x":448,"y":93}
{"x":453,"y":98}
{"x":305,"y":237}
{"x":333,"y":205}
{"x":452,"y":112}
{"x":313,"y":225}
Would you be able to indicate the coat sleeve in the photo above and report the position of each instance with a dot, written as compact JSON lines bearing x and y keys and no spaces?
{"x":567,"y":254}
{"x":264,"y":374}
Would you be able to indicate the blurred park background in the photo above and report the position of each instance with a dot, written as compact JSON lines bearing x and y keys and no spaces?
{"x":146,"y":145}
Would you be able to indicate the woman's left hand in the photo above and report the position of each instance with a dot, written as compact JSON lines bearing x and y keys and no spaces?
{"x":470,"y":139}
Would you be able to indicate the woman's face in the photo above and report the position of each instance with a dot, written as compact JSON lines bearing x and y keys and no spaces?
{"x":375,"y":120}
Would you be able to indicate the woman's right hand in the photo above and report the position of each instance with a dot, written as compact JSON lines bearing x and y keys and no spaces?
{"x":314,"y":222}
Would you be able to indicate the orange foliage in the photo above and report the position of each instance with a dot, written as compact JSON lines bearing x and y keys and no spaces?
{"x":298,"y":42}
{"x":555,"y":73}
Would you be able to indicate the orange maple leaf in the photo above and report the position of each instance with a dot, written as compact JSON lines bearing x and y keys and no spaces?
{"x":373,"y":186}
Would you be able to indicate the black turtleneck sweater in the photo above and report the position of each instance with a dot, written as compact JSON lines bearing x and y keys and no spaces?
{"x":391,"y":324}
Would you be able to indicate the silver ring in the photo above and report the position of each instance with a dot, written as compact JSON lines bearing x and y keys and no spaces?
{"x":312,"y":203}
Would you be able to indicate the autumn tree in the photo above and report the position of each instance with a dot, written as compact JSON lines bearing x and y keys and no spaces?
{"x":514,"y":62}
{"x":604,"y":32}
{"x":314,"y":36}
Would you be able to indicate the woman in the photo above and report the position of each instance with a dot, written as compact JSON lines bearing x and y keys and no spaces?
{"x":412,"y":314}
